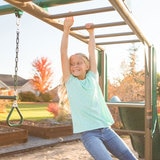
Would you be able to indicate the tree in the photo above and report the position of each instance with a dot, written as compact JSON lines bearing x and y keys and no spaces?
{"x":42,"y":78}
{"x":131,"y":86}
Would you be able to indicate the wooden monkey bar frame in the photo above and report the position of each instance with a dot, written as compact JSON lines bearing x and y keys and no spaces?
{"x":36,"y":9}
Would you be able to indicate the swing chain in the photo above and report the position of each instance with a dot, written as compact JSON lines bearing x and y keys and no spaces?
{"x":18,"y":14}
{"x":16,"y":60}
{"x":15,"y":105}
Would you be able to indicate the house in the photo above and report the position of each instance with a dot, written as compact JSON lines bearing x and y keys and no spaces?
{"x":27,"y":87}
{"x":3,"y":86}
{"x":23,"y":85}
{"x":7,"y":82}
{"x":54,"y":93}
{"x":4,"y":89}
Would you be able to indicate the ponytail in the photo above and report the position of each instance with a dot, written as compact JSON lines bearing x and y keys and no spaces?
{"x":63,"y":98}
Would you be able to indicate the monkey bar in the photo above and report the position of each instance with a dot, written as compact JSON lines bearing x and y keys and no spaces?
{"x":114,"y":24}
{"x":36,"y":9}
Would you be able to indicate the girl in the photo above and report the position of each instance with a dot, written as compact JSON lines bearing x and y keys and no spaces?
{"x":90,"y":115}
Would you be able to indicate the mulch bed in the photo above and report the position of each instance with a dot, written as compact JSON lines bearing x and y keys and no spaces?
{"x":48,"y":128}
{"x":11,"y":135}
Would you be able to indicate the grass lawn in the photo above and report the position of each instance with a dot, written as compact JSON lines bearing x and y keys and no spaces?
{"x":29,"y":111}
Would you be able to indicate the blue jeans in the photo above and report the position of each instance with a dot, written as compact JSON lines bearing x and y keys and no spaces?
{"x":101,"y":142}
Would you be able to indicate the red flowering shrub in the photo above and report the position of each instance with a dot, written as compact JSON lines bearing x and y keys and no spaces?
{"x":59,"y":113}
{"x":53,"y":108}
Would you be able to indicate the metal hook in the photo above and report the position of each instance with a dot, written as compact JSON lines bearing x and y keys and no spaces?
{"x":18,"y":14}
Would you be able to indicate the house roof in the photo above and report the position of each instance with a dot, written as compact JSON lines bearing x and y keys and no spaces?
{"x":9,"y":80}
{"x":3,"y":85}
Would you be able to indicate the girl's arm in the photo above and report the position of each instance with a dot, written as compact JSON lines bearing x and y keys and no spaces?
{"x":91,"y":47}
{"x":68,"y":22}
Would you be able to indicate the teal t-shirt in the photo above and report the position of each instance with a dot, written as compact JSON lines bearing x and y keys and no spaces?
{"x":88,"y":108}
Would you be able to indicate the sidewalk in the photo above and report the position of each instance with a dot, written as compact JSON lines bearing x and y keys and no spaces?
{"x":35,"y":143}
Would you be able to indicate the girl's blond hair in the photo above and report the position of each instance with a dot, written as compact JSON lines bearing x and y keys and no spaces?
{"x":63,"y":98}
{"x":84,"y":57}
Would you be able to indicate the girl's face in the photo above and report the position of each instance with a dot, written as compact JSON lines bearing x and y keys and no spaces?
{"x":78,"y":66}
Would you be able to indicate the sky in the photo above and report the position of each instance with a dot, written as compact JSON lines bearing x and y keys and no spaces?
{"x":38,"y":39}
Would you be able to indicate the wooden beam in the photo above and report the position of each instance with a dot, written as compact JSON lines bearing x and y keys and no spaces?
{"x":127,"y":16}
{"x":35,"y":11}
{"x":43,"y":15}
{"x":9,"y":9}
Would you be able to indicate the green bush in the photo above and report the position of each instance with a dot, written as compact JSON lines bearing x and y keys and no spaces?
{"x":44,"y":97}
{"x":27,"y":97}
